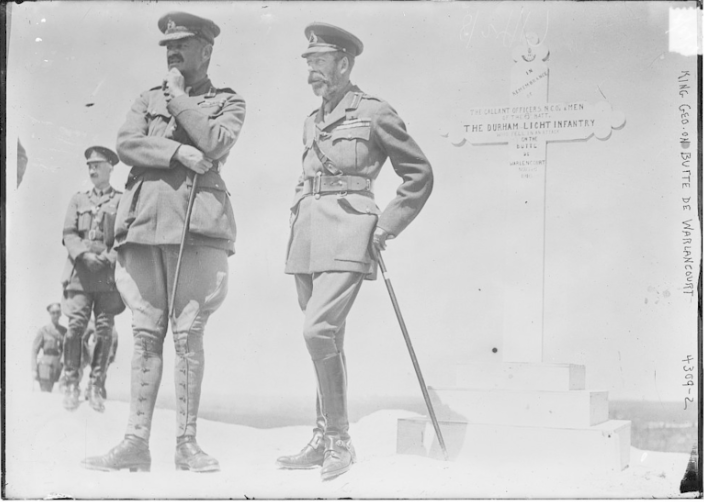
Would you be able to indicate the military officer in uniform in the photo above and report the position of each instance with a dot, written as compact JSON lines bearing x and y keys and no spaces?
{"x":89,"y":276}
{"x":336,"y":225}
{"x":50,"y":342}
{"x":183,"y":127}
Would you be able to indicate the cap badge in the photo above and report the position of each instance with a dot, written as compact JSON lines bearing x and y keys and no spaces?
{"x":313,"y":38}
{"x":170,"y":25}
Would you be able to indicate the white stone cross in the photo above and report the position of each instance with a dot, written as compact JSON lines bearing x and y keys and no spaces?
{"x":526,"y":124}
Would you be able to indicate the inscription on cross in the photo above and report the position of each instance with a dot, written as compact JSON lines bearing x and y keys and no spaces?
{"x":527,"y":124}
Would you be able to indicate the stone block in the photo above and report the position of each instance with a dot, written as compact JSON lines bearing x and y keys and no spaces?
{"x":520,"y":376}
{"x":601,"y":447}
{"x":566,"y":409}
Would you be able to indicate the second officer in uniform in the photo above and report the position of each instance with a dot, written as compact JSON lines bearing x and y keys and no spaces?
{"x":89,"y":277}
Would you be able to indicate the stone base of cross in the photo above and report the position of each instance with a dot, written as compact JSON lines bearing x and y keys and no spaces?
{"x":526,"y":125}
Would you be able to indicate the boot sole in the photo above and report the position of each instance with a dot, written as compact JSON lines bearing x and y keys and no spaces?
{"x":291,"y":467}
{"x":211,"y":468}
{"x":132,"y":468}
{"x":327,"y":476}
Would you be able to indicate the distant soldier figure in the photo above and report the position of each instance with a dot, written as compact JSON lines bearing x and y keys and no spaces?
{"x":89,"y":277}
{"x":335,"y":222}
{"x":179,"y":129}
{"x":50,"y":342}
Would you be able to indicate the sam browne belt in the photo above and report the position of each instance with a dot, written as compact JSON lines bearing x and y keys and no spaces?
{"x":337,"y":184}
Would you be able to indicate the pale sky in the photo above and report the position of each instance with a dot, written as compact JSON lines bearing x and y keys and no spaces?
{"x":614,"y":298}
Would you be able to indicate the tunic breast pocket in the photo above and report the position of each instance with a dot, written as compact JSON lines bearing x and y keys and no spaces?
{"x":212,"y":108}
{"x":350,"y":146}
{"x":158,"y":123}
{"x":85,"y":218}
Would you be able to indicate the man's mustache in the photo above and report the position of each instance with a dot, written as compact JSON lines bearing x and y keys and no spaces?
{"x":316,"y":77}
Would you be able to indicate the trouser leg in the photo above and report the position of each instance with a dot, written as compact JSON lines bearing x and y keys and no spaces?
{"x":77,"y":306}
{"x":326,"y":299}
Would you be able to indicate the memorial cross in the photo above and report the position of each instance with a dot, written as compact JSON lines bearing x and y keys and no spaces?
{"x":526,"y":124}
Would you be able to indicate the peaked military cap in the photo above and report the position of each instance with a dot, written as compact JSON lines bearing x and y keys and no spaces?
{"x":323,"y":37}
{"x":177,"y":25}
{"x":101,"y":154}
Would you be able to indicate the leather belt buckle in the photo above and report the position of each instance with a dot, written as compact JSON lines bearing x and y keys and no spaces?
{"x":317,"y":182}
{"x":344,"y":186}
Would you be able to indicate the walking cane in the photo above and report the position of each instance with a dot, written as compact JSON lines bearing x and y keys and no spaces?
{"x":416,"y":367}
{"x":186,"y":225}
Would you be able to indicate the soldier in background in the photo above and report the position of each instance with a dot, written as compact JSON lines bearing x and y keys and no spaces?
{"x":89,"y":277}
{"x":50,"y":342}
{"x":337,"y":227}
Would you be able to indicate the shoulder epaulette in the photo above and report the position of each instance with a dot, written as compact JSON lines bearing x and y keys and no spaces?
{"x":370,"y":97}
{"x":225,"y":89}
{"x":155,"y":88}
{"x":313,"y":112}
{"x":356,"y":99}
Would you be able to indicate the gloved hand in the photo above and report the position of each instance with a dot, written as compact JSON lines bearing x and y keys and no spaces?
{"x":379,"y":239}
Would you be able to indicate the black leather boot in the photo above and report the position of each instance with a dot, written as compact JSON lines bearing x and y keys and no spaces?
{"x":71,"y":394}
{"x":309,"y":457}
{"x":190,"y":456}
{"x":95,"y":398}
{"x":72,"y":373}
{"x":339,"y":457}
{"x":332,"y":379}
{"x":312,"y":454}
{"x":99,"y":364}
{"x":132,"y":453}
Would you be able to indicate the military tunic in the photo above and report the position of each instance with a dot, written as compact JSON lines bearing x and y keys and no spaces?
{"x":89,"y":227}
{"x":332,"y":232}
{"x":156,"y":194}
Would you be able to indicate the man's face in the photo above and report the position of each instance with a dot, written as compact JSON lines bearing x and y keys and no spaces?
{"x":99,"y":172}
{"x":324,"y":74}
{"x":187,"y":55}
{"x":55,"y":314}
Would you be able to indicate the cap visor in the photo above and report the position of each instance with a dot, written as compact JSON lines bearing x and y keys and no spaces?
{"x":175,"y":36}
{"x":317,"y":50}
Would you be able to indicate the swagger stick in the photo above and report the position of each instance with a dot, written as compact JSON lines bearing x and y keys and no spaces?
{"x":186,"y":225}
{"x":407,"y":338}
